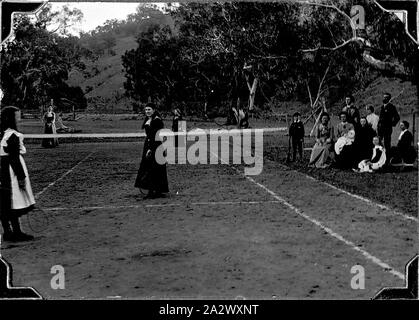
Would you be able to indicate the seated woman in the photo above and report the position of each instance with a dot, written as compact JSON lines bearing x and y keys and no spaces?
{"x":377,"y":160}
{"x":344,"y":126}
{"x":61,"y":128}
{"x":322,"y":153}
{"x":404,"y":152}
{"x":345,"y":150}
{"x":363,"y":140}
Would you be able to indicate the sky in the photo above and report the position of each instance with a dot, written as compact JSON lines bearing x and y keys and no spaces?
{"x":96,"y":13}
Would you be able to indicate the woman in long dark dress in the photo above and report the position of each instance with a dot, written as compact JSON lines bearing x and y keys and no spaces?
{"x":50,"y":128}
{"x":152,"y":176}
{"x":177,"y":117}
{"x":16,"y":197}
{"x":363,"y":140}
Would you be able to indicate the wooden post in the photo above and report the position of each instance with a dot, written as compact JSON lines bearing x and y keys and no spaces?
{"x":414,"y":126}
{"x":1,"y":98}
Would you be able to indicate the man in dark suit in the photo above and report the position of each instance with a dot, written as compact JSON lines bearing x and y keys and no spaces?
{"x":404,"y":152}
{"x":389,"y":117}
{"x":296,"y":136}
{"x":352,"y":113}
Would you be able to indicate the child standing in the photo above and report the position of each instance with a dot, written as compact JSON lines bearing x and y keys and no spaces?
{"x":296,"y":136}
{"x":16,"y":197}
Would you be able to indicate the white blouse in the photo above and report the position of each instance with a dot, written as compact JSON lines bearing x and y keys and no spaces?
{"x":3,"y":144}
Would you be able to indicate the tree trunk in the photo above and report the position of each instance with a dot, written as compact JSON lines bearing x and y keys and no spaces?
{"x":234,"y":90}
{"x":252,"y":93}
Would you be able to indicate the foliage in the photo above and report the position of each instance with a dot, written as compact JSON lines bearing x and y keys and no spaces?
{"x":289,"y":46}
{"x":36,"y":64}
{"x":297,"y":51}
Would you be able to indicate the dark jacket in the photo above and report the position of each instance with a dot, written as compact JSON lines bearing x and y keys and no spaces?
{"x":296,"y":131}
{"x":405,"y":148}
{"x":353,"y":115}
{"x":152,"y":175}
{"x":389,"y":117}
{"x":175,"y":124}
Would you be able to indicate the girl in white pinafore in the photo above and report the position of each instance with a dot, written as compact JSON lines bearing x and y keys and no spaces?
{"x":377,"y":160}
{"x":16,"y":197}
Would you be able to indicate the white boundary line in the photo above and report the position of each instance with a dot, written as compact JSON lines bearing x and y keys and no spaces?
{"x":381,"y":206}
{"x":332,"y":233}
{"x":63,"y":176}
{"x":371,"y":202}
{"x":215,"y":203}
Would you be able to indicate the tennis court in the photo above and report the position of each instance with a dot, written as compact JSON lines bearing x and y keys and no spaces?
{"x":218,"y":234}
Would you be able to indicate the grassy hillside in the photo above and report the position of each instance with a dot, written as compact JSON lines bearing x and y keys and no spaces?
{"x":103,"y":79}
{"x":404,"y":98}
{"x":404,"y":94}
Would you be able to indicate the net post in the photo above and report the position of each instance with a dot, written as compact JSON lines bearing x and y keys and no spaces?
{"x":414,"y":125}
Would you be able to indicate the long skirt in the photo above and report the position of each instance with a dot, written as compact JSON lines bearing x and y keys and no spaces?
{"x":50,"y":142}
{"x":347,"y":158}
{"x":14,"y":201}
{"x":321,"y":156}
{"x":151,"y":175}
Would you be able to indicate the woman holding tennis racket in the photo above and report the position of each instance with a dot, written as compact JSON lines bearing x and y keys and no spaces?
{"x":16,"y":197}
{"x":152,"y":176}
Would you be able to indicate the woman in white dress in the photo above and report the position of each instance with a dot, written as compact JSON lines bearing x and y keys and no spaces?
{"x":16,"y":197}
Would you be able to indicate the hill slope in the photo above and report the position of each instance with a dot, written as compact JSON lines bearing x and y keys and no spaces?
{"x":403,"y":92}
{"x":103,"y":80}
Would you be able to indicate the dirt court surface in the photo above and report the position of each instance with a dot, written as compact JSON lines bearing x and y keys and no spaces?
{"x":219,"y":234}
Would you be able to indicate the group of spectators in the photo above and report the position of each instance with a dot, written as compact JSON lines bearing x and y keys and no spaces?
{"x":361,"y":143}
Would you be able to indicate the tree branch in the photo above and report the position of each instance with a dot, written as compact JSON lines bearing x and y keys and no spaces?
{"x":352,"y":24}
{"x":336,"y":47}
{"x":309,"y":94}
{"x":394,"y":68}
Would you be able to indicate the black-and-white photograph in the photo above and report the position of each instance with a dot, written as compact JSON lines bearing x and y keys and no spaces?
{"x":222,"y":150}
